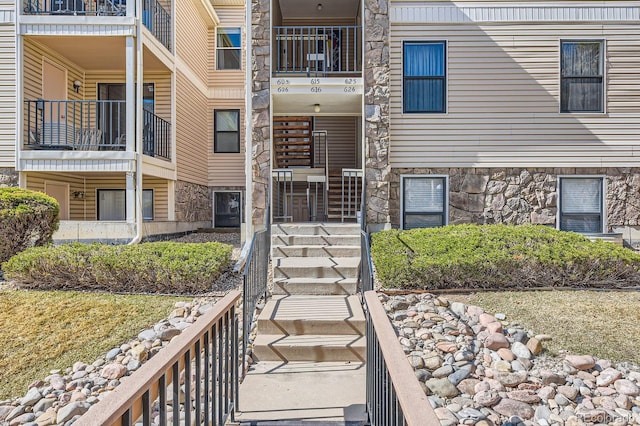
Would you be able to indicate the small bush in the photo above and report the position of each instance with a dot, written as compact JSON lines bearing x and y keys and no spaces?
{"x":162,"y":267}
{"x":27,"y":218}
{"x":499,"y":256}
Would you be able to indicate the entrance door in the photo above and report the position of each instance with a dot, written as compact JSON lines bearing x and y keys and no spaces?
{"x":59,"y":191}
{"x":300,"y":208}
{"x":54,"y":87}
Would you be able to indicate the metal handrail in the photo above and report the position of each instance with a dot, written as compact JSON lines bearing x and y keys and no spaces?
{"x":317,"y":51}
{"x":156,"y":136}
{"x":74,"y":125}
{"x":157,"y":20}
{"x":75,"y":7}
{"x":207,"y":350}
{"x":394,"y":395}
{"x":352,"y":177}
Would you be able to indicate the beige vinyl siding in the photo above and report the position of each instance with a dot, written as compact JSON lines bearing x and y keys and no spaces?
{"x":192,"y":38}
{"x":230,"y":17}
{"x":503,"y":99}
{"x":341,"y":140}
{"x":227,"y":169}
{"x":89,"y":184}
{"x":192,"y":132}
{"x":8,"y":84}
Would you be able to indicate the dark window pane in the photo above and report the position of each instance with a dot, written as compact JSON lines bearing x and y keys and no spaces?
{"x":147,"y":204}
{"x":424,"y":60}
{"x":581,"y":59}
{"x":227,"y":142}
{"x":581,"y":223}
{"x":228,"y":59}
{"x":422,"y":221}
{"x":582,"y":94}
{"x":227,"y":209}
{"x":424,"y":95}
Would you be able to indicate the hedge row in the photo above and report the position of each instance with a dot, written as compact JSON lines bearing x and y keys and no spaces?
{"x":499,"y":256}
{"x":161,"y":267}
{"x":27,"y":218}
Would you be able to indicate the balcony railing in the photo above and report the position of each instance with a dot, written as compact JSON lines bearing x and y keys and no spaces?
{"x":90,"y":125}
{"x":158,"y":21}
{"x":318,"y":51}
{"x":75,"y":7}
{"x":156,"y":136}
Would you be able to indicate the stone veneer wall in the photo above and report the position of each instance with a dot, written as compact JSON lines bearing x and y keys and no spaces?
{"x":519,"y":195}
{"x":8,"y":177}
{"x":376,"y":100}
{"x":260,"y":100}
{"x":193,"y":202}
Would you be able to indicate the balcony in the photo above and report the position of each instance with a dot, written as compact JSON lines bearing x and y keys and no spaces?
{"x":90,"y":126}
{"x":75,"y":7}
{"x":158,"y":21}
{"x":318,"y":51}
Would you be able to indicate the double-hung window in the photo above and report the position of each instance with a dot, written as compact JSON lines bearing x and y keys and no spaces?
{"x":226,"y":123}
{"x":582,"y":76}
{"x":581,"y":204}
{"x":424,"y":201}
{"x":228,"y":48}
{"x":424,"y":76}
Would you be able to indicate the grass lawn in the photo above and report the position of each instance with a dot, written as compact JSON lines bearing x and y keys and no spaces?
{"x":599,"y":323}
{"x":45,"y":330}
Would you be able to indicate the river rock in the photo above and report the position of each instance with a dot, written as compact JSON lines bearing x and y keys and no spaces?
{"x":496,"y":341}
{"x":626,"y":387}
{"x":508,"y":407}
{"x":113,"y":371}
{"x":32,"y":396}
{"x":446,"y":417}
{"x":608,"y":376}
{"x":73,"y":409}
{"x":442,"y":387}
{"x":520,"y":350}
{"x":487,"y":398}
{"x":581,"y":362}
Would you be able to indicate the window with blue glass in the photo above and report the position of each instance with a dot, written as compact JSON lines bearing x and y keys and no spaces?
{"x":424,"y":76}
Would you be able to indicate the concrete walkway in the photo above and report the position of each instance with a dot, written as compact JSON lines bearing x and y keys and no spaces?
{"x":327,"y":393}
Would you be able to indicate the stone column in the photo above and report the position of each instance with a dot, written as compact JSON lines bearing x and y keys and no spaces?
{"x":376,"y":101}
{"x":8,"y":177}
{"x":260,"y":98}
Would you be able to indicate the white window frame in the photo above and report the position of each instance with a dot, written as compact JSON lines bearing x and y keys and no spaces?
{"x":603,"y":44}
{"x":603,"y":182}
{"x":445,"y":194}
{"x":240,"y":213}
{"x":240,"y":48}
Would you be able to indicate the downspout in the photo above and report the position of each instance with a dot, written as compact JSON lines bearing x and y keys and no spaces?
{"x":138,"y":137}
{"x":248,"y":120}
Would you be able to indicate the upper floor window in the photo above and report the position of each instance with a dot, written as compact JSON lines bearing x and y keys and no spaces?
{"x":424,"y":76}
{"x":228,"y":48}
{"x":582,"y":204}
{"x":424,"y":201}
{"x":226,"y":124}
{"x":581,"y":76}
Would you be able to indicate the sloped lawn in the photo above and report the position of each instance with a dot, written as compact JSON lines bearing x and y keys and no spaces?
{"x":45,"y":330}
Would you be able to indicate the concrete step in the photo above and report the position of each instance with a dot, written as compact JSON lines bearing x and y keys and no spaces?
{"x":315,"y":240}
{"x":316,"y":251}
{"x":315,"y":229}
{"x":315,"y":286}
{"x":295,"y":315}
{"x":309,"y":347}
{"x":301,"y":393}
{"x":316,"y":267}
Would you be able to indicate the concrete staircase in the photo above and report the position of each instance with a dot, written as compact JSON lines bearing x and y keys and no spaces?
{"x":310,"y":345}
{"x":314,"y":314}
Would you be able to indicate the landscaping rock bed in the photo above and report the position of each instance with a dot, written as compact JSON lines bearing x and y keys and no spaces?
{"x":478,"y":369}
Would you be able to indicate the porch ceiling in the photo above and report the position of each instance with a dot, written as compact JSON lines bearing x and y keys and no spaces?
{"x":333,"y":104}
{"x":97,"y":53}
{"x":309,"y":8}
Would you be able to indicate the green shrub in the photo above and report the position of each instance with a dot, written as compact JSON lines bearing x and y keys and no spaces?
{"x":499,"y":256}
{"x":27,"y":218}
{"x":162,"y":267}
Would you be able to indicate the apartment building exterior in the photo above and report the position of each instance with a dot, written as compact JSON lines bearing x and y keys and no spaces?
{"x":458,"y":112}
{"x":130,"y":113}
